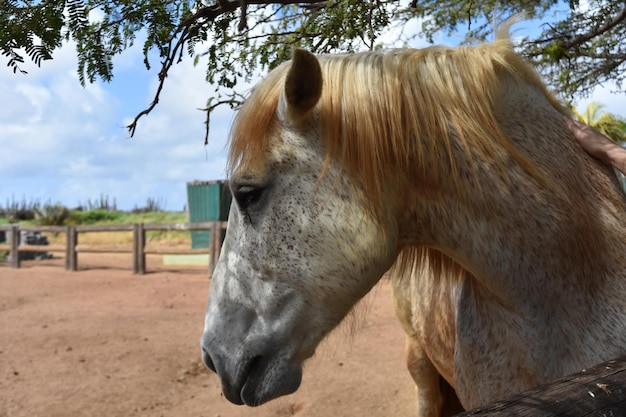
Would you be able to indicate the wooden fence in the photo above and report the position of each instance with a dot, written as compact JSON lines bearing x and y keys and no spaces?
{"x":599,"y":391}
{"x":138,"y":248}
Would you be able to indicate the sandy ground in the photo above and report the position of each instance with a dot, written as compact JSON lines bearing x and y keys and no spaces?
{"x":105,"y":342}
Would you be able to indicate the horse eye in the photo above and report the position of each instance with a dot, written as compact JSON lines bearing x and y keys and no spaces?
{"x":246,"y":195}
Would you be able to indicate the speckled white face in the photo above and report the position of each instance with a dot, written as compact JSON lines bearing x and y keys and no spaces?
{"x":300,"y":251}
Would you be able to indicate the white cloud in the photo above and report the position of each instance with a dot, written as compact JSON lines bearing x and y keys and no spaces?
{"x":60,"y":141}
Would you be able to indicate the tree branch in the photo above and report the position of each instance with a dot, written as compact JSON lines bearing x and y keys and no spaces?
{"x":182,"y":33}
{"x":233,"y":102}
{"x":166,"y":65}
{"x":243,"y":23}
{"x":225,"y":6}
{"x":580,"y":39}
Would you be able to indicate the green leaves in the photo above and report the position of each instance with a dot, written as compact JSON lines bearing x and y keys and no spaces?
{"x":29,"y":30}
{"x":584,"y":49}
{"x":473,"y":19}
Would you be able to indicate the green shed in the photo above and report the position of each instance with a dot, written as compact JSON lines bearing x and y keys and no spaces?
{"x":207,"y":201}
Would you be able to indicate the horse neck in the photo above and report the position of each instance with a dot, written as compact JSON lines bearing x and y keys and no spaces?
{"x":511,"y":237}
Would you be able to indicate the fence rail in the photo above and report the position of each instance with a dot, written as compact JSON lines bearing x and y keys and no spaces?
{"x":599,"y":391}
{"x":138,"y":248}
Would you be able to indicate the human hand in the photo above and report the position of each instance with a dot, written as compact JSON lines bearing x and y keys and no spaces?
{"x":589,"y":138}
{"x":597,"y":144}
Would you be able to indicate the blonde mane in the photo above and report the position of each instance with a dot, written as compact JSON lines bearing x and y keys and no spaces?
{"x":392,"y":110}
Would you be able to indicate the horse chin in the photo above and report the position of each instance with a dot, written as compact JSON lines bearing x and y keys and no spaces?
{"x":266,"y":381}
{"x":258,"y":391}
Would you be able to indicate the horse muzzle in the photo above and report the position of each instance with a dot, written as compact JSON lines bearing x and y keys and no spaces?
{"x":251,"y":379}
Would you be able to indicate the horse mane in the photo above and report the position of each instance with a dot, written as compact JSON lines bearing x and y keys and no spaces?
{"x":385,"y":114}
{"x":414,"y":100}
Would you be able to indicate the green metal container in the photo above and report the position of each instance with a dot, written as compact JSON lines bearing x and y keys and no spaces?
{"x":207,"y":201}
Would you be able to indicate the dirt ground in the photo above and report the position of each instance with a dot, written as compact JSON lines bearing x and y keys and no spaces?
{"x":104,"y":342}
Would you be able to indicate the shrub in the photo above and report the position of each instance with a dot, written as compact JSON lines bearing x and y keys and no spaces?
{"x":23,"y":210}
{"x":152,"y":206}
{"x":52,"y":215}
{"x":21,"y":215}
{"x":95,"y":216}
{"x":102,"y":203}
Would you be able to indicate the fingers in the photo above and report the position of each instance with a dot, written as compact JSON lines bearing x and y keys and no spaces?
{"x":581,"y":130}
{"x":573,"y":125}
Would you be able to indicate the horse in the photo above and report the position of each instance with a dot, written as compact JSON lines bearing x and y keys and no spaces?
{"x":451,"y":167}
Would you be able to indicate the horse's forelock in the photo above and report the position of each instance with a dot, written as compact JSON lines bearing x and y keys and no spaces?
{"x":254,"y":122}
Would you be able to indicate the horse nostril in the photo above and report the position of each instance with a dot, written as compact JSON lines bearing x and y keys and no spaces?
{"x":208,"y":362}
{"x":255,"y":363}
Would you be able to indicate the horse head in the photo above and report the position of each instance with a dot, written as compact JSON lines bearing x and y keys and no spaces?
{"x":301,"y":246}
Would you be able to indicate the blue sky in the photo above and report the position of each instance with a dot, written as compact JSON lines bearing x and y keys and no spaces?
{"x":62,"y":142}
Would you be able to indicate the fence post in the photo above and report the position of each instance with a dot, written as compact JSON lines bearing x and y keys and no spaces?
{"x":217,"y":234}
{"x":135,"y":249}
{"x":15,"y":244}
{"x":72,"y":256}
{"x":139,"y":249}
{"x":68,"y":251}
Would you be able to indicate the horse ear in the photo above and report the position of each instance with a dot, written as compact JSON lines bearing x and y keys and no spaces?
{"x":303,"y":85}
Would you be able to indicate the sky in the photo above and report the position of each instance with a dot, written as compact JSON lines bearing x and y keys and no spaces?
{"x":61,"y":142}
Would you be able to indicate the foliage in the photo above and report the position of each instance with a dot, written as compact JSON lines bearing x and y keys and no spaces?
{"x":95,"y":216}
{"x":34,"y":27}
{"x":582,"y":47}
{"x":101,"y":216}
{"x":20,"y":210}
{"x":52,"y":214}
{"x":102,"y":203}
{"x":585,"y":49}
{"x":21,"y":215}
{"x":613,"y":126}
{"x":152,"y":206}
{"x":155,"y":217}
{"x":90,"y":212}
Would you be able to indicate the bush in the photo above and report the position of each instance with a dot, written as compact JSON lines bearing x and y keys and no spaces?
{"x":21,"y":215}
{"x":103,"y":203}
{"x":52,"y":215}
{"x":95,"y":216}
{"x":17,"y":211}
{"x":152,"y":206}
